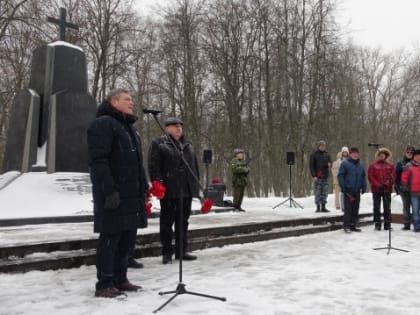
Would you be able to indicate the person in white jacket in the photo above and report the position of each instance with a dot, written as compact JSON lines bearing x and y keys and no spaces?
{"x":338,"y":196}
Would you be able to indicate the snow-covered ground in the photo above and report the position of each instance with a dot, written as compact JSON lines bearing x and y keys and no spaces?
{"x":328,"y":273}
{"x":63,"y":194}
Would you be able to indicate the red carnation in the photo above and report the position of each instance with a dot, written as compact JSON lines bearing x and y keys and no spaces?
{"x":157,"y":189}
{"x":206,"y":205}
{"x":148,"y":208}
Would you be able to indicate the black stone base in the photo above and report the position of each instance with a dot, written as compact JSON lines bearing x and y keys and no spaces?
{"x":70,"y":115}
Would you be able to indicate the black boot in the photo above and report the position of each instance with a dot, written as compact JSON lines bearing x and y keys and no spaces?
{"x":166,"y":259}
{"x":132,"y":263}
{"x":186,"y":256}
{"x":387,"y":226}
{"x":406,"y":227}
{"x":377,"y":226}
{"x":318,"y":208}
{"x":324,"y":209}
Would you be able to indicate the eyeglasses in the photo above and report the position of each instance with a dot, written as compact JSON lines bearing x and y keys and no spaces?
{"x":409,"y":152}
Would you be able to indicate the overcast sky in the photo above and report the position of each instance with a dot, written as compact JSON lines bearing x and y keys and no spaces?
{"x":390,"y":24}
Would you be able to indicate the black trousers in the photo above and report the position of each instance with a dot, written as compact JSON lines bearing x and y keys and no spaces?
{"x":112,"y":257}
{"x":169,"y":214}
{"x":351,"y":209}
{"x":386,"y":198}
{"x":406,"y":200}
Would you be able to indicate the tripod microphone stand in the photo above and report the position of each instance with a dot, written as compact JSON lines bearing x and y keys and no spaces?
{"x":389,"y":247}
{"x":290,"y":199}
{"x":180,"y":289}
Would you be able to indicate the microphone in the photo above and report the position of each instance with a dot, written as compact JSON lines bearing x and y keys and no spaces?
{"x":152,"y":111}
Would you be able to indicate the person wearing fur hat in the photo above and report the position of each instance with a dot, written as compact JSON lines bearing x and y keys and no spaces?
{"x":320,"y":164}
{"x":410,"y":182}
{"x":381,"y":176}
{"x":405,"y":196}
{"x":338,"y":196}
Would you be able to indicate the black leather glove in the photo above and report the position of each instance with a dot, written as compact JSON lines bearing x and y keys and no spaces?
{"x":112,"y":201}
{"x":382,"y":187}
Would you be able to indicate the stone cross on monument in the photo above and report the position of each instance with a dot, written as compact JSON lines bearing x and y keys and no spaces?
{"x":49,"y":119}
{"x":62,"y":24}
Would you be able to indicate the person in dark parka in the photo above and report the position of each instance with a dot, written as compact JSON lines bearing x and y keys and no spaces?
{"x":352,"y":179}
{"x":119,"y":186}
{"x":405,"y":195}
{"x":166,"y":167}
{"x":320,"y":164}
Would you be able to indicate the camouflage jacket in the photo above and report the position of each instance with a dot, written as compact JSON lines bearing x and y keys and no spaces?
{"x":240,"y":172}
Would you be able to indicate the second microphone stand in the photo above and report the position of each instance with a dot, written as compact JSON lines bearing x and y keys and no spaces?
{"x":180,"y":289}
{"x":389,"y":247}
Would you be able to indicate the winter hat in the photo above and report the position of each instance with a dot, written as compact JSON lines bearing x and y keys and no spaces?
{"x":173,"y":121}
{"x":345,"y":149}
{"x":417,"y":152}
{"x":321,"y":142}
{"x":384,"y":151}
{"x":410,"y":148}
{"x":237,"y":151}
{"x":354,"y":149}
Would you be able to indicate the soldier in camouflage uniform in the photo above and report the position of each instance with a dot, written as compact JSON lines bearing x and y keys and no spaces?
{"x":240,"y":172}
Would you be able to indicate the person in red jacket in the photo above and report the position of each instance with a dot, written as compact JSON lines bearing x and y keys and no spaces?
{"x":410,"y":182}
{"x":381,"y":176}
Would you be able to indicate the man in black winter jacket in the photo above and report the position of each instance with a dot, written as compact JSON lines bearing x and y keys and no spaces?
{"x":405,"y":195}
{"x":167,"y":168}
{"x":320,"y":165}
{"x":119,"y":186}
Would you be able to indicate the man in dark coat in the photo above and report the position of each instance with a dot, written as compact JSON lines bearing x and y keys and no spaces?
{"x":405,"y":195}
{"x":320,"y":165}
{"x":352,"y":179}
{"x":119,"y":186}
{"x":167,"y":168}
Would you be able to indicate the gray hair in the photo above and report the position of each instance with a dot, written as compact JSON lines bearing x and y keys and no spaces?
{"x":115,"y":94}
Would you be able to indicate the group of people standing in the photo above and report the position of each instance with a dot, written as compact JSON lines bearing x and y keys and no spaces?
{"x":349,"y":183}
{"x":121,"y":190}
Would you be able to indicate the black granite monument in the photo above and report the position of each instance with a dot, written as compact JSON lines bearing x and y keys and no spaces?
{"x":49,"y":119}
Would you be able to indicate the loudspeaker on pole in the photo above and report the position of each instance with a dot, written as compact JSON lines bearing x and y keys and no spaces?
{"x":290,"y":158}
{"x":207,"y":156}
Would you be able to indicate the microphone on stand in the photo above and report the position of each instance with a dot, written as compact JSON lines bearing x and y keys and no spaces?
{"x":152,"y":111}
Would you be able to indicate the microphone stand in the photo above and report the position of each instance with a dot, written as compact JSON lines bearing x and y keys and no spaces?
{"x":180,"y":289}
{"x":389,"y":247}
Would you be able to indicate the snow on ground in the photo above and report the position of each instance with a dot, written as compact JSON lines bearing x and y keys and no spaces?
{"x":42,"y":194}
{"x":62,"y":194}
{"x":326,"y":273}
